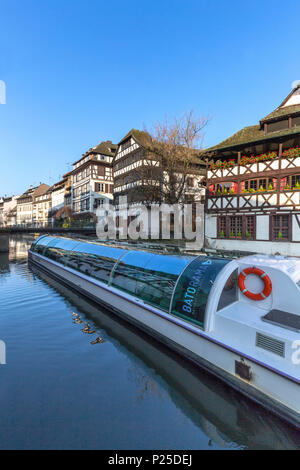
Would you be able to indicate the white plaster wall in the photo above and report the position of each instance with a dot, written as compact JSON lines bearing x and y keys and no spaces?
{"x":210,"y":226}
{"x":296,"y":229}
{"x":58,"y":198}
{"x":262,"y":227}
{"x":269,"y":248}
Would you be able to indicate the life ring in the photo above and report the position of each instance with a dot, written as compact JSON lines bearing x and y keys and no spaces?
{"x":267,"y":282}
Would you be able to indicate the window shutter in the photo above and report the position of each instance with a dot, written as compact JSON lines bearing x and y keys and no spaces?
{"x":283,"y":183}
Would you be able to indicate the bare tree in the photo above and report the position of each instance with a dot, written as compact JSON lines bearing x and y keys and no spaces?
{"x":171,"y":157}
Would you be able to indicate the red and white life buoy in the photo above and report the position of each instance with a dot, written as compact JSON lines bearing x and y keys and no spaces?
{"x":267,"y":282}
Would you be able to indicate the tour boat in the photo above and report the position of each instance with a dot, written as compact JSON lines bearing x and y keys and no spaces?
{"x":238,"y":319}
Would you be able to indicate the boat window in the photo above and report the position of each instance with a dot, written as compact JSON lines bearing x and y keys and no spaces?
{"x":60,"y":249}
{"x":192,"y":291}
{"x":95,"y":260}
{"x":56,"y":254}
{"x":40,"y":244}
{"x":149,"y":276}
{"x":230,"y":291}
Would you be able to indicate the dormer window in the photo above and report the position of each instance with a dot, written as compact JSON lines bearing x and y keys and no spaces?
{"x":277,"y":126}
{"x":296,"y":121}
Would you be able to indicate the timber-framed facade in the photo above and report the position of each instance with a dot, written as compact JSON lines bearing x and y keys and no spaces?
{"x":253,"y":185}
{"x":91,"y":177}
{"x":138,"y":173}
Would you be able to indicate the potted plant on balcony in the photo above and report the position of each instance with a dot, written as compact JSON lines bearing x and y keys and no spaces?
{"x":270,"y":187}
{"x":249,"y":236}
{"x":279,"y":236}
{"x":222,"y":234}
{"x":232,"y":234}
{"x":297,"y":185}
{"x":239,"y":235}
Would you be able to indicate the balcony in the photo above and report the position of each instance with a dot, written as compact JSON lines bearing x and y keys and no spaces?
{"x":289,"y":199}
{"x":268,"y":162}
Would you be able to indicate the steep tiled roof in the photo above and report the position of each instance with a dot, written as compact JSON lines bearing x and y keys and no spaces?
{"x":285,"y":111}
{"x":41,"y":189}
{"x":104,"y":148}
{"x":255,"y":134}
{"x":142,"y":137}
{"x":251,"y":134}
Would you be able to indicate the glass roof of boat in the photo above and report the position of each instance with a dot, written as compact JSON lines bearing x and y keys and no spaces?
{"x":176,"y":284}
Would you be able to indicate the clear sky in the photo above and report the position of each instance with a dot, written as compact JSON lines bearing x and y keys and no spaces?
{"x":78,"y":72}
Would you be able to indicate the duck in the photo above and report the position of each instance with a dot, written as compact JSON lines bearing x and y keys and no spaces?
{"x":87,"y":329}
{"x":98,"y":340}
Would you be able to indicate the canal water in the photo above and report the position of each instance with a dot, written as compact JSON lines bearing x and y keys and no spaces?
{"x":125,"y":391}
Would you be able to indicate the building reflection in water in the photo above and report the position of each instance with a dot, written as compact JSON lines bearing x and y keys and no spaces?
{"x":19,"y":246}
{"x":226,"y":417}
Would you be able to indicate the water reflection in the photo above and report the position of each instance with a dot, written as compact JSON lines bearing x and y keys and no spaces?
{"x":19,"y":246}
{"x":226,"y":418}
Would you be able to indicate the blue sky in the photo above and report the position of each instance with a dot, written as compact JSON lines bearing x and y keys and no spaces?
{"x":79,"y":72}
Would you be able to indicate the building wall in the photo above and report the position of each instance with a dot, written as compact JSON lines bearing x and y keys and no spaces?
{"x":85,"y":193}
{"x":260,"y":245}
{"x":24,"y":213}
{"x":58,"y":198}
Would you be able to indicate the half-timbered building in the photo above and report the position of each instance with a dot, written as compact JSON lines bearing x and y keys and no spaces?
{"x":253,"y":185}
{"x":138,"y":173}
{"x":92,"y":181}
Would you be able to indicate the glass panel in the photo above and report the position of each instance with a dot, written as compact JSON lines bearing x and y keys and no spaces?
{"x":230,"y":291}
{"x":95,"y":260}
{"x":59,"y":249}
{"x":192,"y":291}
{"x":41,"y":243}
{"x":56,"y":254}
{"x":149,"y":276}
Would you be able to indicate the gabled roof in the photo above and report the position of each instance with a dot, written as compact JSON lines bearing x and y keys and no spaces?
{"x":36,"y":191}
{"x":251,"y":135}
{"x":41,"y":190}
{"x":255,"y":134}
{"x":142,"y":137}
{"x":289,"y":106}
{"x":104,"y":148}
